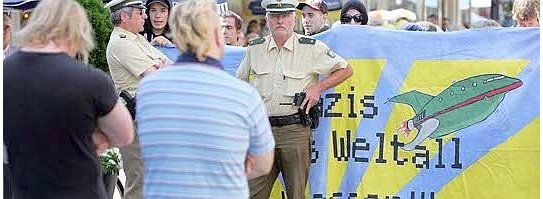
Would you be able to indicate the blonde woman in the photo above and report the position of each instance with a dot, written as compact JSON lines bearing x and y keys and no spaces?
{"x":53,"y":103}
{"x":202,"y":131}
{"x":526,"y":12}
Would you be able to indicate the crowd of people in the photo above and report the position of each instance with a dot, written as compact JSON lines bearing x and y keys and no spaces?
{"x":315,"y":19}
{"x":195,"y":131}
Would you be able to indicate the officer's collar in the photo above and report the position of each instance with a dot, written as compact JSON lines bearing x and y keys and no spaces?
{"x":288,"y":45}
{"x":191,"y":57}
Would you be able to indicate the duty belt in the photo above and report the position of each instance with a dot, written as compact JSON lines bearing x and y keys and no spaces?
{"x":285,"y":120}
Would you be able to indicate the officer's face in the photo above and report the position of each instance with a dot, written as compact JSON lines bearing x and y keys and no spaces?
{"x":312,"y":20}
{"x":137,"y":20}
{"x":281,"y":23}
{"x":158,"y":15}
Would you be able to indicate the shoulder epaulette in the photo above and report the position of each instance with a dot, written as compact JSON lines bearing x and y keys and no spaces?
{"x":307,"y":40}
{"x":260,"y":40}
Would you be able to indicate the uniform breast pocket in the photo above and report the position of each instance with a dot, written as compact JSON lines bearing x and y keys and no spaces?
{"x":296,"y":81}
{"x":261,"y":78}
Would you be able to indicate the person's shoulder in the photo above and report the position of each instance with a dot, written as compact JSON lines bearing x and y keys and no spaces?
{"x":82,"y":74}
{"x":120,"y":37}
{"x":90,"y":72}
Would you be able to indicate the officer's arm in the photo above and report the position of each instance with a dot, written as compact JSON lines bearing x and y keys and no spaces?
{"x":164,"y":61}
{"x":336,"y":77}
{"x":150,"y":70}
{"x":243,"y":70}
{"x":313,"y":92}
{"x":134,"y":60}
{"x":325,"y":62}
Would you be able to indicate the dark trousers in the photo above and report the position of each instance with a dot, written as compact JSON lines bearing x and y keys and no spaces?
{"x":292,"y":159}
{"x":7,"y":182}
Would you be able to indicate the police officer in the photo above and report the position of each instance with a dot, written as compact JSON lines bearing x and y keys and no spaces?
{"x":130,"y":57}
{"x":279,"y":66}
{"x":314,"y":16}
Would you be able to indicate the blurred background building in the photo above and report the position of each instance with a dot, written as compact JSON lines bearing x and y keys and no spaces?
{"x":454,"y":14}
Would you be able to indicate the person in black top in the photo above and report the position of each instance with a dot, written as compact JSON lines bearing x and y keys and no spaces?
{"x":156,"y":27}
{"x":354,"y":12}
{"x":59,"y":112}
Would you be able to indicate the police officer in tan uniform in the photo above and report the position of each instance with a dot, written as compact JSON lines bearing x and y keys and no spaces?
{"x":279,"y":66}
{"x":130,"y":57}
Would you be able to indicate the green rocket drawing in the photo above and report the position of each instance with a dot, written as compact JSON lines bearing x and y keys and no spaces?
{"x":461,"y":105}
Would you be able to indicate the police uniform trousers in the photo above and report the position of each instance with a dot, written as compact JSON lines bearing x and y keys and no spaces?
{"x":292,"y":159}
{"x":133,"y":169}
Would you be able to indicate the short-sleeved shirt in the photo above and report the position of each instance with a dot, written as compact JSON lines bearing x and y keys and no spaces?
{"x":196,"y":125}
{"x":51,"y":107}
{"x":280,"y":73}
{"x":128,"y":56}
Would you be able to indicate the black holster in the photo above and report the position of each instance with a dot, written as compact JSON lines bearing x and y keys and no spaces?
{"x":311,"y":119}
{"x":130,"y":103}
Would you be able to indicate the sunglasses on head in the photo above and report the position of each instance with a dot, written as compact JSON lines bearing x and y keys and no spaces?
{"x":347,"y":18}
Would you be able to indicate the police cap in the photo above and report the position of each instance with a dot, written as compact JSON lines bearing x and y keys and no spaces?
{"x":279,"y":5}
{"x":118,"y":4}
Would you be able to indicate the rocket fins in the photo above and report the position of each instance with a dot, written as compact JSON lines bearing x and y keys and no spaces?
{"x":427,"y":128}
{"x":414,"y":98}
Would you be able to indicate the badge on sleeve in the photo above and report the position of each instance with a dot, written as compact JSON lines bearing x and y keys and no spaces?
{"x":331,"y":53}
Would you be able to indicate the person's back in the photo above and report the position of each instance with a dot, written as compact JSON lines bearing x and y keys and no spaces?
{"x":51,"y":108}
{"x":195,"y":124}
{"x":202,"y":131}
{"x":59,"y":112}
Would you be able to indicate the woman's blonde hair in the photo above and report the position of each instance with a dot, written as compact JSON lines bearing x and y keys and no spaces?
{"x":59,"y":21}
{"x":526,"y":9}
{"x":192,"y":23}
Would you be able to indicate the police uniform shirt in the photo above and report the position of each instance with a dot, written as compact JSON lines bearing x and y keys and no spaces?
{"x":280,"y":73}
{"x":128,"y":56}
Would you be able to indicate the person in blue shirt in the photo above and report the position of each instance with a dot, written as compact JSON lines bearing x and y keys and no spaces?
{"x":203,"y":132}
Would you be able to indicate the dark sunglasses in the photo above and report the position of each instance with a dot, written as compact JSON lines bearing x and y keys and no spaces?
{"x":347,"y":18}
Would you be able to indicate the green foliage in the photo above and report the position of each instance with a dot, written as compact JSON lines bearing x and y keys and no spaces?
{"x":111,"y":162}
{"x":99,"y":18}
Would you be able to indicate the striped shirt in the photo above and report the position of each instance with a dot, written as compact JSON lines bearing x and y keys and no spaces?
{"x":196,"y":125}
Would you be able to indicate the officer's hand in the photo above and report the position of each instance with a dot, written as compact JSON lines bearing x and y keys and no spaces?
{"x":161,"y":41}
{"x":312,"y":95}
